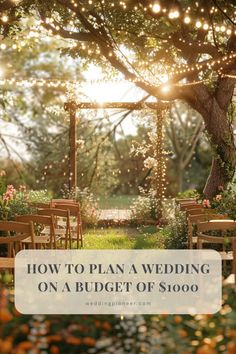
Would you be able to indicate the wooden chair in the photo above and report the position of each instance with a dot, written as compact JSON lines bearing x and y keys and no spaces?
{"x":76,"y":228}
{"x":231,"y":279}
{"x":40,"y":205}
{"x":48,"y":239}
{"x":61,"y":232}
{"x":194,"y":219}
{"x":185,"y":207}
{"x":216,"y":225}
{"x":198,"y":211}
{"x":7,"y":263}
{"x":16,"y":234}
{"x":185,"y":201}
{"x":62,"y":201}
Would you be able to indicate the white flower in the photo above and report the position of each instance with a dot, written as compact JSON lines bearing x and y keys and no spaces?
{"x":80,"y":143}
{"x":150,"y":162}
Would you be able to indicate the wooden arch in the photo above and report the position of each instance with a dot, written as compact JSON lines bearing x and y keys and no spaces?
{"x":72,"y":107}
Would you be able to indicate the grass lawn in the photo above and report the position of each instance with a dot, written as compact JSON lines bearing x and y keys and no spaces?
{"x":123,"y":238}
{"x":116,"y":201}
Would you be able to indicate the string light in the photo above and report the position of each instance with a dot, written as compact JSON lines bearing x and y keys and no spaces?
{"x":156,"y":7}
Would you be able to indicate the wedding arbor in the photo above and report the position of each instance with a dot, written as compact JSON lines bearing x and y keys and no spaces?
{"x":159,"y":107}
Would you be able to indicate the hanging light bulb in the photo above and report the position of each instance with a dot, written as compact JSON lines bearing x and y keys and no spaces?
{"x":156,"y":7}
{"x":187,"y":19}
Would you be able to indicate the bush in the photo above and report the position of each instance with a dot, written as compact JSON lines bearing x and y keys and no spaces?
{"x":40,"y":196}
{"x":88,"y":203}
{"x":176,"y":231}
{"x":189,"y":193}
{"x":225,"y":201}
{"x":16,"y":202}
{"x":145,"y":207}
{"x":162,"y":334}
{"x":2,"y":182}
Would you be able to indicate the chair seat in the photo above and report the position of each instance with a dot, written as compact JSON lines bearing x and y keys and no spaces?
{"x":6,"y":262}
{"x":230,"y":280}
{"x":227,"y":256}
{"x":37,"y":239}
{"x":73,"y":224}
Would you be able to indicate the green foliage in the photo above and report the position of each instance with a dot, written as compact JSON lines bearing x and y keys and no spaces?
{"x":189,"y":193}
{"x":39,"y":196}
{"x":2,"y":182}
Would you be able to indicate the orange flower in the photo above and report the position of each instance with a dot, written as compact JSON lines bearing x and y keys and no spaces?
{"x":24,"y":328}
{"x":183,"y":333}
{"x":54,"y":349}
{"x":25,"y":345}
{"x":106,"y":325}
{"x":89,"y":341}
{"x":231,"y":348}
{"x":54,"y":338}
{"x":5,"y":347}
{"x":19,"y":351}
{"x":5,"y":316}
{"x":177,"y":319}
{"x":206,"y":349}
{"x":73,"y":340}
{"x":97,"y":323}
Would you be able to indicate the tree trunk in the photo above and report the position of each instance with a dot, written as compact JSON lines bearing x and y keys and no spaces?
{"x":224,"y":161}
{"x":179,"y":177}
{"x":218,"y":177}
{"x":220,"y":133}
{"x":221,"y":136}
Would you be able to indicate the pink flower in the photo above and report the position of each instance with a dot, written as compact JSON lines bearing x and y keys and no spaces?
{"x":218,"y":197}
{"x":206,"y":203}
{"x":9,"y":193}
{"x":2,"y":173}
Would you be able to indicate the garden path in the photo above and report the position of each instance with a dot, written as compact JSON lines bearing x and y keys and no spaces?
{"x":115,"y":214}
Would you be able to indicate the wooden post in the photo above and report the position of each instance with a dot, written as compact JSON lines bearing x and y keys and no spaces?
{"x":71,"y":108}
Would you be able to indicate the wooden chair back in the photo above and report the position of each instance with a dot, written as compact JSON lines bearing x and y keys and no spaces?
{"x":55,"y":212}
{"x":74,"y":211}
{"x":194,"y":219}
{"x":73,"y":208}
{"x":20,"y":231}
{"x":234,"y":260}
{"x":59,"y":213}
{"x":198,"y":211}
{"x":184,"y":207}
{"x":215,"y":225}
{"x":185,"y":200}
{"x":62,"y":201}
{"x":40,"y":205}
{"x":45,"y":220}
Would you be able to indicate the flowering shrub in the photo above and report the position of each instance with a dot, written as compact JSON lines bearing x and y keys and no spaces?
{"x":176,"y":231}
{"x":88,"y":203}
{"x":145,"y":207}
{"x":225,"y":201}
{"x":13,"y":202}
{"x":16,"y":201}
{"x":164,"y":334}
